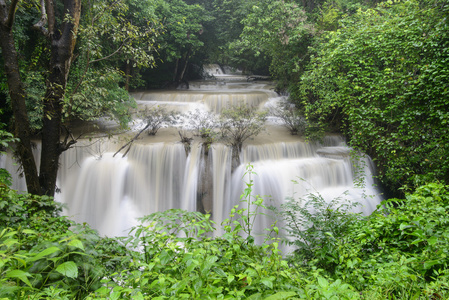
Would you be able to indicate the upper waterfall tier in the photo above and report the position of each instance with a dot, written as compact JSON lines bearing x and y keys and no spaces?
{"x":189,"y":100}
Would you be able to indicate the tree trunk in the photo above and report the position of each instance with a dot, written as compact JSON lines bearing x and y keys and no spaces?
{"x":18,"y":95}
{"x":62,"y":46}
{"x":175,"y":73}
{"x":127,"y":75}
{"x":181,"y":76}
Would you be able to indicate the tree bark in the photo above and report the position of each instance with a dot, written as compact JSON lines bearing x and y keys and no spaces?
{"x":18,"y":95}
{"x":127,"y":75}
{"x":62,"y":45}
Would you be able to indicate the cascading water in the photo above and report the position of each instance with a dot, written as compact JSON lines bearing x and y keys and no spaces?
{"x":110,"y":192}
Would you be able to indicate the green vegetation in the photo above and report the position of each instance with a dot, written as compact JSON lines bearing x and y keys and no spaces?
{"x":400,"y":252}
{"x":376,"y":71}
{"x":382,"y":79}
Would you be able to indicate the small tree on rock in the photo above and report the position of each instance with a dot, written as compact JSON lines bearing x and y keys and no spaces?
{"x":240,"y":123}
{"x":158,"y":116}
{"x":291,"y":117}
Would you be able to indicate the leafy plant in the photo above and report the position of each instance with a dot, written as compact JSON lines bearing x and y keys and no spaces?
{"x":314,"y":227}
{"x":48,"y":255}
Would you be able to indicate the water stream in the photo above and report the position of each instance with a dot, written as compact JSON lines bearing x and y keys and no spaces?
{"x":157,"y":174}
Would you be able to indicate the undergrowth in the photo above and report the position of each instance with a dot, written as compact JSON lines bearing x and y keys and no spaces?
{"x":399,"y":252}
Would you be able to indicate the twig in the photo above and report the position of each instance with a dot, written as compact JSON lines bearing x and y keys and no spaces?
{"x":131,"y":141}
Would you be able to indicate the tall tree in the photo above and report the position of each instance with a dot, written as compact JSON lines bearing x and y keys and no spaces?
{"x":61,"y":34}
{"x":17,"y":94}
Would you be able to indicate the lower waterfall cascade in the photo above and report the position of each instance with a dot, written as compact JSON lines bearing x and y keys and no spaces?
{"x":109,"y":192}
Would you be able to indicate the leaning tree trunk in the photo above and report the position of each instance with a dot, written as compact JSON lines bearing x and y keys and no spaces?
{"x":18,"y":95}
{"x":62,"y":45}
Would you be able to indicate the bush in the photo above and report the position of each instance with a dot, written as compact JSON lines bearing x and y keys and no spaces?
{"x":315,"y":226}
{"x":47,"y":256}
{"x":156,"y":117}
{"x":240,"y":123}
{"x":291,"y":117}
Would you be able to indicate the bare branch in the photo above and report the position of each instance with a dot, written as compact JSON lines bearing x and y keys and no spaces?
{"x":131,"y":141}
{"x":66,"y":144}
{"x":112,"y":54}
{"x":43,"y":21}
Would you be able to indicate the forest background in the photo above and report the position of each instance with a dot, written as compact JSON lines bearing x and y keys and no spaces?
{"x":375,"y":71}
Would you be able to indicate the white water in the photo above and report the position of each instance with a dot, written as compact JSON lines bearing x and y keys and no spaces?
{"x":110,"y":192}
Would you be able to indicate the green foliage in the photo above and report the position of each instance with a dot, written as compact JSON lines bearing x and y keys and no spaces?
{"x":180,"y":260}
{"x":279,"y":30}
{"x":315,"y":226}
{"x":398,"y":252}
{"x":6,"y":138}
{"x":411,"y":233}
{"x":46,"y":256}
{"x":100,"y":95}
{"x":382,"y":79}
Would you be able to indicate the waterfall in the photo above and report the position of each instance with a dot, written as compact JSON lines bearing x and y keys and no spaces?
{"x":109,"y":192}
{"x":190,"y":100}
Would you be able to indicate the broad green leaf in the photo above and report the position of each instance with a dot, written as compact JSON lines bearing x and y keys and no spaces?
{"x":77,"y":244}
{"x":323,"y":282}
{"x":268,"y":281}
{"x":281,"y":295}
{"x":430,"y":263}
{"x":68,"y":269}
{"x":220,"y":272}
{"x":29,"y":231}
{"x":432,"y":240}
{"x":255,"y":297}
{"x":43,"y":253}
{"x":20,"y":275}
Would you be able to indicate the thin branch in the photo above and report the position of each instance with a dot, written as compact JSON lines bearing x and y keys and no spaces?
{"x":131,"y":141}
{"x":50,"y":16}
{"x":112,"y":54}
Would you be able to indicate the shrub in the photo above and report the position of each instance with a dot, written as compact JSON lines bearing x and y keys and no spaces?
{"x":240,"y":123}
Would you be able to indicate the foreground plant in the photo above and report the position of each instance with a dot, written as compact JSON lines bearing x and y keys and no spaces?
{"x":400,"y":252}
